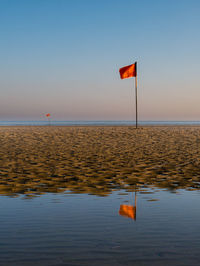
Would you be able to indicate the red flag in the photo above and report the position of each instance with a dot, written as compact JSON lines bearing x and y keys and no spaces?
{"x":128,"y":71}
{"x":48,"y":115}
{"x":128,"y":211}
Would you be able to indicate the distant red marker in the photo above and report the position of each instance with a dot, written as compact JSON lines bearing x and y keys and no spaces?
{"x":48,"y":115}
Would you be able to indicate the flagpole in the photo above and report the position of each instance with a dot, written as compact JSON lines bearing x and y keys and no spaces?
{"x":136,"y":111}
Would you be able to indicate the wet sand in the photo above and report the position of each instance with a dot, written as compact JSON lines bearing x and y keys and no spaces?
{"x":96,"y":160}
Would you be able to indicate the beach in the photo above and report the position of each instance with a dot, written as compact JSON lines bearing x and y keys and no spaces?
{"x":97,"y":159}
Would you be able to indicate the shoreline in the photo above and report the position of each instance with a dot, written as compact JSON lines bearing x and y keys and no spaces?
{"x":99,"y":123}
{"x":107,"y":126}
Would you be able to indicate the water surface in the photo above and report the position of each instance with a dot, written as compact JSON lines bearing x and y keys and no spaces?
{"x":97,"y":123}
{"x":82,"y":229}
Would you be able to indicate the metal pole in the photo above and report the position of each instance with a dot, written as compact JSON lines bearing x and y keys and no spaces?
{"x":136,"y":111}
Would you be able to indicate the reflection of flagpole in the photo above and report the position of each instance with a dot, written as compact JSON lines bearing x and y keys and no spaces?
{"x":129,"y":210}
{"x":135,"y":199}
{"x":136,"y":111}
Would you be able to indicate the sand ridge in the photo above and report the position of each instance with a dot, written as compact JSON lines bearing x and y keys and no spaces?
{"x":96,"y":160}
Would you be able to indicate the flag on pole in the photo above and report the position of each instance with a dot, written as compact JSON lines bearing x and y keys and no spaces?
{"x":48,"y":116}
{"x":128,"y":71}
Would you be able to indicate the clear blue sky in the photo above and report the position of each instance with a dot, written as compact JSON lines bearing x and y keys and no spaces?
{"x":62,"y":57}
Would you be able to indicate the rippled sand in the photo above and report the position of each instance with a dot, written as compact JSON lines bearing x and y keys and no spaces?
{"x":35,"y":160}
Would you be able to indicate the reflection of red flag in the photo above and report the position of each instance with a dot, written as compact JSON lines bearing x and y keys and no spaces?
{"x":128,"y":71}
{"x":128,"y":211}
{"x":48,"y":115}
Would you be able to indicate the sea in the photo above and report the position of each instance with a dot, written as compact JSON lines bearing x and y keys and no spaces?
{"x":97,"y":123}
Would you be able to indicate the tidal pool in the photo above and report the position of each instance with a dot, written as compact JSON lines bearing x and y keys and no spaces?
{"x":160,"y":228}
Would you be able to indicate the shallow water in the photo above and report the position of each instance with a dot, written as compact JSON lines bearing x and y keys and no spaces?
{"x":82,"y":229}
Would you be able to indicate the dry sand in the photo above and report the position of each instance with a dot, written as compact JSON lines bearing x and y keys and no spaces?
{"x":96,"y":160}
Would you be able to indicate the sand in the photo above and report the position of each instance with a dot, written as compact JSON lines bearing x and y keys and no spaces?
{"x":97,"y":160}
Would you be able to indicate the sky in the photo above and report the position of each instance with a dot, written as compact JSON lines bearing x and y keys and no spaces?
{"x":63,"y":58}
